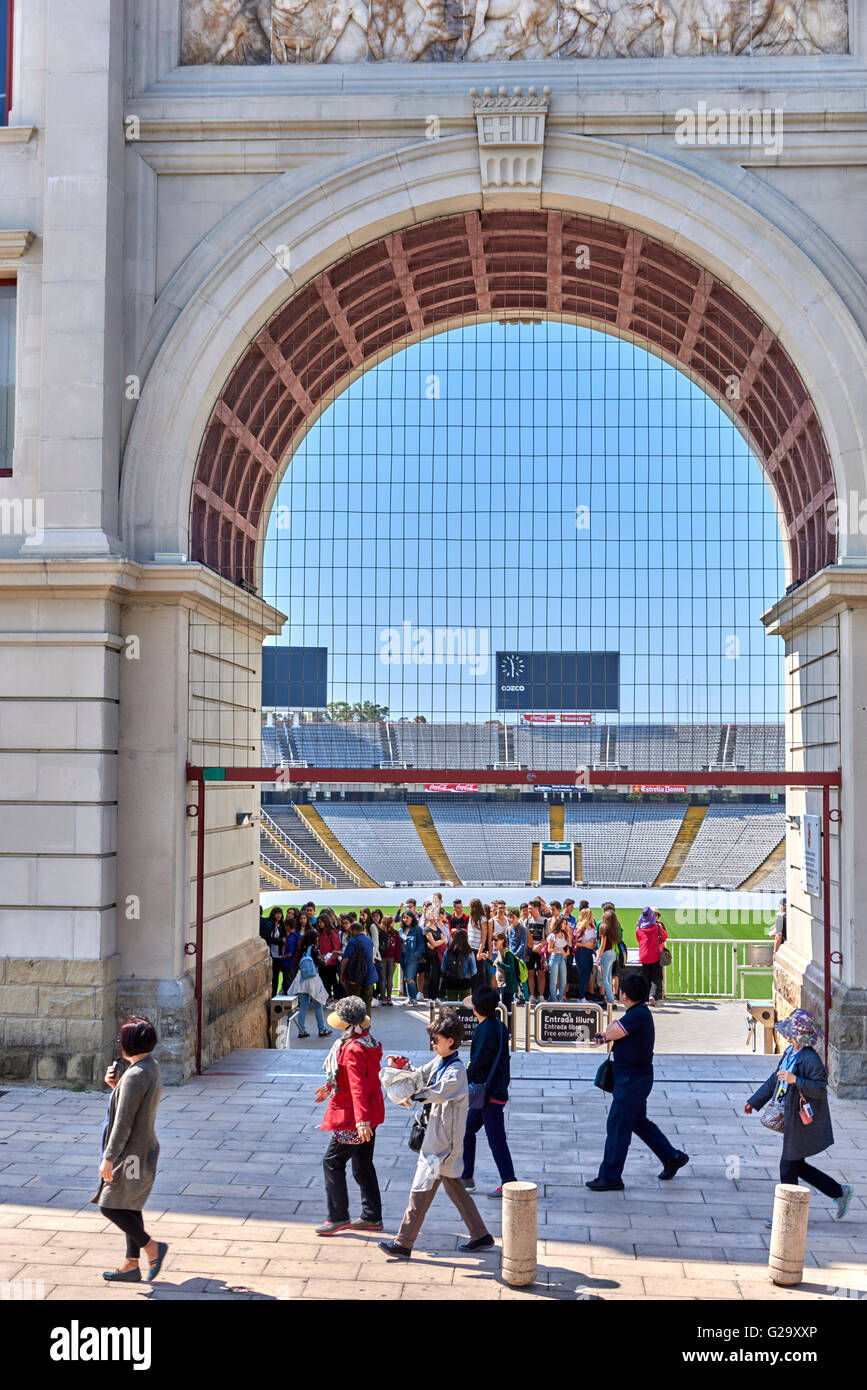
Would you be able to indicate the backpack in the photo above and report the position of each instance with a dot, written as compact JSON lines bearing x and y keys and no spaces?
{"x":307,"y":966}
{"x":522,"y":970}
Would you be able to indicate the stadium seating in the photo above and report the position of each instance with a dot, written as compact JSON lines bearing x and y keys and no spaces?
{"x":381,"y":839}
{"x":622,"y":844}
{"x":731,"y":844}
{"x":444,"y":745}
{"x":487,"y":843}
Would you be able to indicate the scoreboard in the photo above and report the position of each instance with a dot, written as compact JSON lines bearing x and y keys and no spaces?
{"x":558,"y":681}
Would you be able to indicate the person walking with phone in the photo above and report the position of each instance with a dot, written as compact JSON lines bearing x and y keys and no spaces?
{"x":632,"y":1038}
{"x":798,"y":1088}
{"x":130,"y":1149}
{"x":441,"y":1084}
{"x":488,"y":1075}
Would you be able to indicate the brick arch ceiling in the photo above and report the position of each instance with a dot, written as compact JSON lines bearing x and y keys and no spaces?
{"x":493,"y":264}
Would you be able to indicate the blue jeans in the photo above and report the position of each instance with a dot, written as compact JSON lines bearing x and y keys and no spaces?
{"x":606,"y":960}
{"x":304,"y":1000}
{"x":557,"y":965}
{"x":410,"y":970}
{"x":628,"y":1116}
{"x":493,"y":1116}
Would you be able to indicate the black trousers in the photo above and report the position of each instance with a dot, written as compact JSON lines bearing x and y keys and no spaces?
{"x":791,"y":1169}
{"x":328,"y":975}
{"x":334,"y":1167}
{"x":132,"y":1225}
{"x":653,"y":976}
{"x":276,"y":967}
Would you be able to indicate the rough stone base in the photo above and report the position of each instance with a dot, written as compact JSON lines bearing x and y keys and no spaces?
{"x":236,"y":987}
{"x":57,"y":1020}
{"x":799,"y":986}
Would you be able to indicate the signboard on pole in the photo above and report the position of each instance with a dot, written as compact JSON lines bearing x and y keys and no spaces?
{"x":811,"y":856}
{"x":559,"y":1025}
{"x":468,"y":1020}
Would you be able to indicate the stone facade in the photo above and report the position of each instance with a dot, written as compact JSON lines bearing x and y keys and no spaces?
{"x":156,"y":215}
{"x":58,"y":1019}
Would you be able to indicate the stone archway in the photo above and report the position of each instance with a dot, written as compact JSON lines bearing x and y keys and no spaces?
{"x":480,"y":265}
{"x":232,"y":377}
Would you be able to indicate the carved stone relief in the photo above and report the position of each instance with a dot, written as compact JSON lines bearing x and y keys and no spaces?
{"x":409,"y":31}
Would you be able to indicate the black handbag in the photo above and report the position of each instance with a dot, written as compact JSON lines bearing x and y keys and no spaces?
{"x":478,"y":1090}
{"x":604,"y":1077}
{"x":419,"y":1129}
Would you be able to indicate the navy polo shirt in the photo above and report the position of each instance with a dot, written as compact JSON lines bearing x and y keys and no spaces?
{"x":633,"y":1055}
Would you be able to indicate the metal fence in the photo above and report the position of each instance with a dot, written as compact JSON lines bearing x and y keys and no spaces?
{"x":722,"y":969}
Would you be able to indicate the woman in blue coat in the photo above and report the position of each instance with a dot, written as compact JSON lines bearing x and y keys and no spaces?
{"x":800,"y":1078}
{"x":411,"y":952}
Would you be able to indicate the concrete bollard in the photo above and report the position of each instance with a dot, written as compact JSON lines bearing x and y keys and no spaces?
{"x":520,"y":1223}
{"x":789,"y":1233}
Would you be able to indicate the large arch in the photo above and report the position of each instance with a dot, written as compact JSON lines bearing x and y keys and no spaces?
{"x":491,"y":264}
{"x":233,"y":284}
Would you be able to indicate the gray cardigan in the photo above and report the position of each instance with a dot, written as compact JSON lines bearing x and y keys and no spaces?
{"x":130,"y":1140}
{"x":800,"y":1140}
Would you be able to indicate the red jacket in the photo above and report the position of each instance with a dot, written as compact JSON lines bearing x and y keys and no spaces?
{"x":359,"y":1095}
{"x":649,"y":942}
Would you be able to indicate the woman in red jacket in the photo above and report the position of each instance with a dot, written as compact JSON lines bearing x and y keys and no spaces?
{"x":651,"y":937}
{"x":355,"y":1108}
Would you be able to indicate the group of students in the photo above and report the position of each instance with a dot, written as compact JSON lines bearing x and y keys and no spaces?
{"x":528,"y":954}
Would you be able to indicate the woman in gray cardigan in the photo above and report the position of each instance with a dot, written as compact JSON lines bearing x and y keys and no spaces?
{"x":130,"y":1149}
{"x":800,"y":1079}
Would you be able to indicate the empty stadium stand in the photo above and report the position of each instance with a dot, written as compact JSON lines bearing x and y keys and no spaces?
{"x":731,"y":844}
{"x":382,"y":840}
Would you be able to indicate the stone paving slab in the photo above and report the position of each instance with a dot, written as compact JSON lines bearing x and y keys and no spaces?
{"x":239,"y":1192}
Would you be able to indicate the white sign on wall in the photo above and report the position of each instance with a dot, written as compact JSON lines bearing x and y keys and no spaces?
{"x":811,"y":856}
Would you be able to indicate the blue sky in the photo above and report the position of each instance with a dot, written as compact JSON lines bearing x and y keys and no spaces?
{"x":541,"y":487}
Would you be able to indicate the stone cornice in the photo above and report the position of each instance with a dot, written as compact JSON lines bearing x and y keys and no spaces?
{"x":12,"y":247}
{"x":16,"y":134}
{"x":830,"y":591}
{"x":188,"y":586}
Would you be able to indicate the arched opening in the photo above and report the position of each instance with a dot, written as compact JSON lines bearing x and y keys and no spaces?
{"x":496,"y":264}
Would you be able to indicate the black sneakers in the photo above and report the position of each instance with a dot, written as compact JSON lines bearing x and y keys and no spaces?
{"x":482,"y":1243}
{"x":391,"y":1247}
{"x":673,"y":1165}
{"x":600,"y":1185}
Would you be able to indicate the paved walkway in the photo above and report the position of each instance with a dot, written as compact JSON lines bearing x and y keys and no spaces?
{"x":239,"y":1188}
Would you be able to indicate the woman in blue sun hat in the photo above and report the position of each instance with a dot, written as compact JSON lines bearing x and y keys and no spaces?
{"x":799,"y":1085}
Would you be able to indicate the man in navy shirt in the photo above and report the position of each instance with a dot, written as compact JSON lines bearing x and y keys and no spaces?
{"x":632,"y":1037}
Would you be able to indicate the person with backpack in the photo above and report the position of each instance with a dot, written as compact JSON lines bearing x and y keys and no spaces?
{"x":585,"y":942}
{"x":289,"y":959}
{"x":390,"y":948}
{"x":507,"y":975}
{"x":519,"y":941}
{"x":488,"y":1075}
{"x":308,"y":984}
{"x":357,"y":969}
{"x":441,"y":1084}
{"x":799,"y":1090}
{"x":459,"y":967}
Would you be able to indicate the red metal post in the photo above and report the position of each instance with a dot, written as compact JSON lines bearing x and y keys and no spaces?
{"x":826,"y":897}
{"x":200,"y":914}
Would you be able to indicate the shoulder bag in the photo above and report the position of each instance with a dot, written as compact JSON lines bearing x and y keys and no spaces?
{"x":478,"y":1090}
{"x":664,"y":953}
{"x":419,"y":1124}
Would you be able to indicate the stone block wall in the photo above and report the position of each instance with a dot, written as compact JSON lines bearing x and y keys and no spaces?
{"x":58,"y":1019}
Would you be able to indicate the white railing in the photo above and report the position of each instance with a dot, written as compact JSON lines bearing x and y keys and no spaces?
{"x":350,"y":873}
{"x":286,"y":842}
{"x":282,"y":875}
{"x":703,"y":969}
